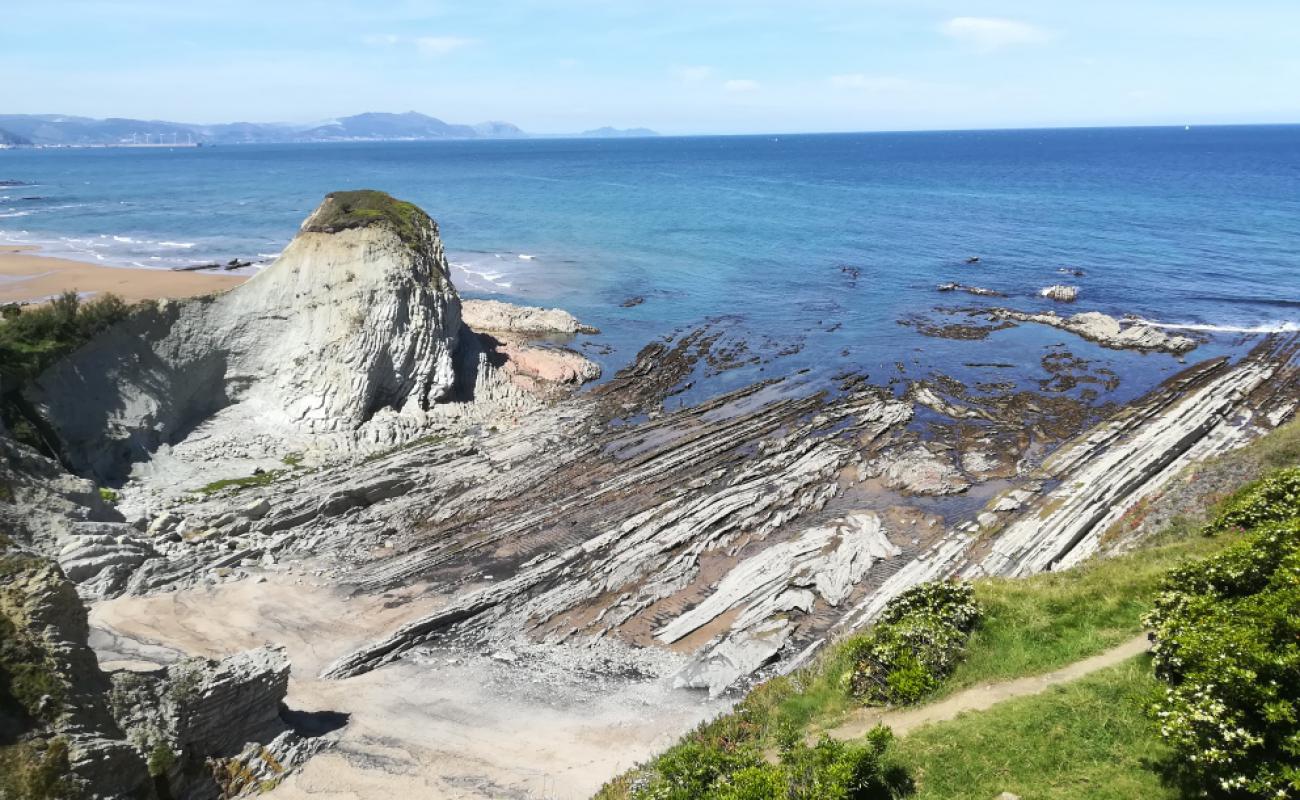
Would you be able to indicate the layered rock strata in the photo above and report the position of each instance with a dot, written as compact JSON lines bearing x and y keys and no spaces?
{"x":1104,"y":330}
{"x":350,"y":340}
{"x":197,"y":730}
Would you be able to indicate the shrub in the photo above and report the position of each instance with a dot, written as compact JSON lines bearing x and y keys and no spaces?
{"x":32,"y":690}
{"x":829,"y":770}
{"x":712,"y":751}
{"x":1228,"y":646}
{"x":1273,"y":498}
{"x":32,"y":339}
{"x":161,"y":759}
{"x":916,"y":644}
{"x":36,"y":770}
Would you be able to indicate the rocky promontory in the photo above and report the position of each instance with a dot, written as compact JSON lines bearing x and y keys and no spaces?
{"x":352,"y":340}
{"x":503,"y":586}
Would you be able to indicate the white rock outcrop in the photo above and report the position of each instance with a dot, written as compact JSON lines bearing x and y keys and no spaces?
{"x":1103,"y":329}
{"x":1060,"y":293}
{"x":348,"y":341}
{"x":494,"y":316}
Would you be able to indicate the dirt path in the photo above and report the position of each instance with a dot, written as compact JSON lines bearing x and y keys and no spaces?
{"x":979,"y":698}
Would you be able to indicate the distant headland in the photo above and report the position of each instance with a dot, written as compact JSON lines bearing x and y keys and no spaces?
{"x":61,"y":130}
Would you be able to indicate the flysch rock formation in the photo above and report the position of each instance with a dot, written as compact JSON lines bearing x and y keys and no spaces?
{"x":510,"y":335}
{"x":699,"y":547}
{"x":198,"y":730}
{"x":1103,"y":329}
{"x":1101,"y":475}
{"x":1105,"y":474}
{"x":351,"y":340}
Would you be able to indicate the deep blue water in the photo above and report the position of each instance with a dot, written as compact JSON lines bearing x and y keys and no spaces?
{"x":1186,"y":226}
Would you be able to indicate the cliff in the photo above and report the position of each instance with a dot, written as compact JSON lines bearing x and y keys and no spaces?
{"x":347,"y":341}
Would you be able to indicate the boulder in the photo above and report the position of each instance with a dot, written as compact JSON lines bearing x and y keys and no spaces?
{"x":916,"y":470}
{"x":86,"y":557}
{"x":1060,"y":293}
{"x":494,"y":316}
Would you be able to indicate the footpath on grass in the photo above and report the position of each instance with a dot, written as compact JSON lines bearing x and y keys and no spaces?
{"x":979,"y":698}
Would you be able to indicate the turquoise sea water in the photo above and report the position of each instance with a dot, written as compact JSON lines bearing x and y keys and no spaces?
{"x":816,"y":242}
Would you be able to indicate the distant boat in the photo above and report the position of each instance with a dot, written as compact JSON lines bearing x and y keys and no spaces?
{"x":1187,"y":127}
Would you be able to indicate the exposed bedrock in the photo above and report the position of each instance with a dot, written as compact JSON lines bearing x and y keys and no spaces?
{"x":1104,"y":330}
{"x":1204,"y":411}
{"x":352,"y":337}
{"x":494,"y":316}
{"x":1101,"y":475}
{"x":355,"y":324}
{"x":197,"y":730}
{"x":218,"y":722}
{"x":742,"y":532}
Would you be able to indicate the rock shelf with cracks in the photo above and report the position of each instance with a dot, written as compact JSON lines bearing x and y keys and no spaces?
{"x":452,"y":508}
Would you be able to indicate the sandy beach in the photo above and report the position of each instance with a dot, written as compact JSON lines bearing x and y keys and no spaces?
{"x":27,"y":276}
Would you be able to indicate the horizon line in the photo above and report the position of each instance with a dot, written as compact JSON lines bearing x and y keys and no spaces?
{"x":658,"y":134}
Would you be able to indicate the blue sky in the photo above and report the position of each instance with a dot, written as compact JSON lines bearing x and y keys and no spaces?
{"x":676,"y":66}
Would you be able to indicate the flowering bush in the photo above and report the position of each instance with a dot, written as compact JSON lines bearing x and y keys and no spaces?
{"x":1271,"y":499}
{"x":916,"y":644}
{"x":1228,"y":644}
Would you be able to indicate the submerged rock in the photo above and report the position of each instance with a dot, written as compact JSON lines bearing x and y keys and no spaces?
{"x":975,"y":290}
{"x":917,"y":470}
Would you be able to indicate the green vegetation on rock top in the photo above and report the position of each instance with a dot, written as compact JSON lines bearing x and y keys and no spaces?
{"x":364,"y":207}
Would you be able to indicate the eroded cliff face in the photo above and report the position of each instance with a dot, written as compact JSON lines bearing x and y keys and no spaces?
{"x":351,"y":335}
{"x":197,"y":729}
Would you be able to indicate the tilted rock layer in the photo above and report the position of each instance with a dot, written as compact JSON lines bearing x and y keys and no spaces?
{"x":353,"y":331}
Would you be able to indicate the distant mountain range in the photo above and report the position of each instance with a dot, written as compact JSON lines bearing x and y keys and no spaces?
{"x":58,"y":129}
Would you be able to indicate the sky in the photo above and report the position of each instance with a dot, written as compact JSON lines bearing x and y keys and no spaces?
{"x":679,"y":67}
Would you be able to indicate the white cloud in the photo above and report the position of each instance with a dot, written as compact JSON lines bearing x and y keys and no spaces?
{"x":987,"y":34}
{"x":870,"y":83}
{"x":740,"y":85}
{"x":426,"y":45}
{"x":440,"y":45}
{"x":692,"y":74}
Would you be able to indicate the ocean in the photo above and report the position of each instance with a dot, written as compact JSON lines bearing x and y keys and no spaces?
{"x":803,"y":253}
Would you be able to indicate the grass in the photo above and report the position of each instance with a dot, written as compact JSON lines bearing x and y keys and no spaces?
{"x":1087,"y":740}
{"x":363,"y":207}
{"x":36,"y":770}
{"x":1040,"y":623}
{"x":237,"y":484}
{"x":1030,"y":626}
{"x":433,"y":438}
{"x":293,"y":461}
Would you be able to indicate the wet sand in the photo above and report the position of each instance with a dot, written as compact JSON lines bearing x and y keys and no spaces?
{"x":26,"y":276}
